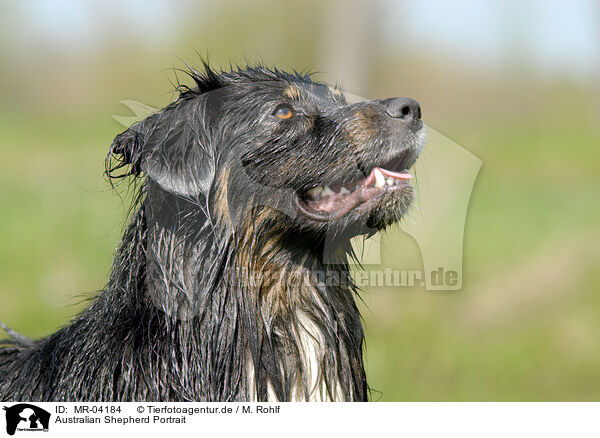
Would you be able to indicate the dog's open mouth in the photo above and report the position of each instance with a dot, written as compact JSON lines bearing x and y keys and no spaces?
{"x":330,"y":202}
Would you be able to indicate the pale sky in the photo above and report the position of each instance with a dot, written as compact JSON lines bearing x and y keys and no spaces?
{"x":550,"y":34}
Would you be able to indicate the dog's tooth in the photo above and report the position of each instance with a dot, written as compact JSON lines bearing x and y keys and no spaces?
{"x":389,"y":181}
{"x":327,"y":191}
{"x":344,"y":191}
{"x":379,"y":179}
{"x":315,"y":192}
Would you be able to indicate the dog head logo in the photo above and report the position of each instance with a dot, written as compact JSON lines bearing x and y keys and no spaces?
{"x":26,"y":417}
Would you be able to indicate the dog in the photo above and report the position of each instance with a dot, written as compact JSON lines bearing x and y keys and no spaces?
{"x":250,"y":186}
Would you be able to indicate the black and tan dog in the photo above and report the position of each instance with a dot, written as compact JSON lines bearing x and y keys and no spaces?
{"x":252,"y":183}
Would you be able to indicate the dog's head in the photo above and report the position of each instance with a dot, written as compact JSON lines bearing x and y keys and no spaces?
{"x":260,"y":144}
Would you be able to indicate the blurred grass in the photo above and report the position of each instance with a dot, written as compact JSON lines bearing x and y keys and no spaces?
{"x":59,"y":219}
{"x":532,"y":257}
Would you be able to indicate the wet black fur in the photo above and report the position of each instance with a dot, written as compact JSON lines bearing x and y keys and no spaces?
{"x":190,"y":312}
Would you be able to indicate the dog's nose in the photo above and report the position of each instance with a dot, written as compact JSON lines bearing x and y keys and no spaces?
{"x":402,"y":108}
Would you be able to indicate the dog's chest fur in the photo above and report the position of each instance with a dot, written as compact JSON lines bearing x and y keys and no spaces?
{"x":312,"y":358}
{"x":314,"y":338}
{"x":314,"y":387}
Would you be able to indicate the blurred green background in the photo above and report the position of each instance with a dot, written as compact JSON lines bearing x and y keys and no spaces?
{"x":516,"y":83}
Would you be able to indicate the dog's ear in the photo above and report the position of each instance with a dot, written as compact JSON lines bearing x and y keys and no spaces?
{"x":171,"y":148}
{"x":125,"y":150}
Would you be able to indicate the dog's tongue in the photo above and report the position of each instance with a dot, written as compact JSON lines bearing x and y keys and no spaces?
{"x":398,"y":175}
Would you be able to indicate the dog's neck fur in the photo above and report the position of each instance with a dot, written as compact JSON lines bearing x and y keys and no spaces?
{"x":192,"y":312}
{"x":265,"y":302}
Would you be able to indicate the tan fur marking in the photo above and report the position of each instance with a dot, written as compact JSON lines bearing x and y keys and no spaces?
{"x":364,"y":127}
{"x":292,"y":92}
{"x":337,"y":92}
{"x":221,"y":202}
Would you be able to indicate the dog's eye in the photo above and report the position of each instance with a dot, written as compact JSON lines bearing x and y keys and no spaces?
{"x":283,"y":112}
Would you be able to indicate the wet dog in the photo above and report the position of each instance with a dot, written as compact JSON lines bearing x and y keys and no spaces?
{"x":251,"y":185}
